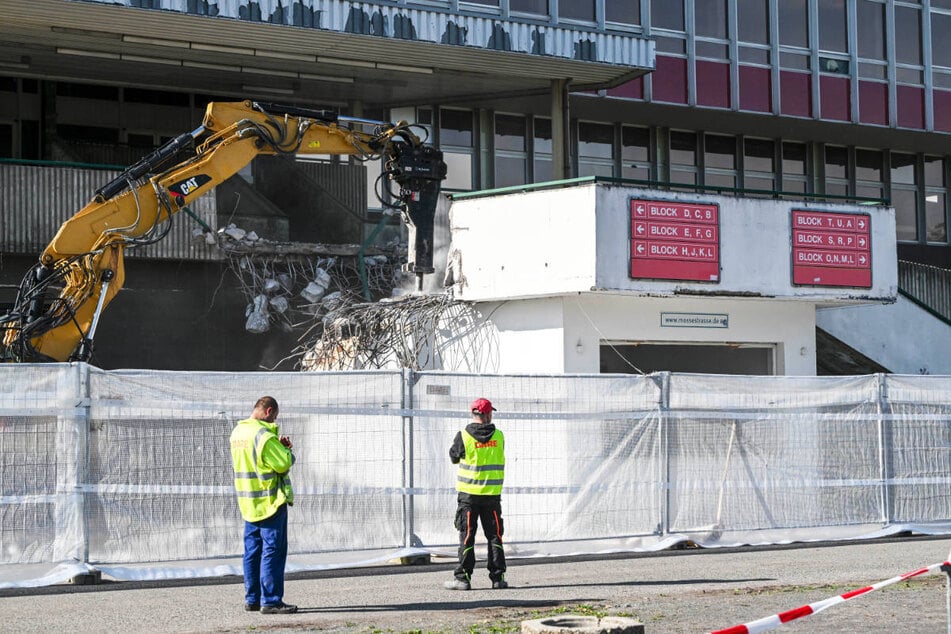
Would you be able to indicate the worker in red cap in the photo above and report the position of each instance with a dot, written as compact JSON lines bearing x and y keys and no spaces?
{"x":479,"y":450}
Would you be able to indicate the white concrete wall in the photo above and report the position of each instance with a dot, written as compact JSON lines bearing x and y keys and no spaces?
{"x":576,"y":239}
{"x":881,"y":333}
{"x":592,"y":319}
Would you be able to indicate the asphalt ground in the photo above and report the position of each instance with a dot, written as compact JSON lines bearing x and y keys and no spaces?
{"x":687,"y":590}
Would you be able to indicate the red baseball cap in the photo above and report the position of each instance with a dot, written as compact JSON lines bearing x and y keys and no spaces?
{"x":481,"y":406}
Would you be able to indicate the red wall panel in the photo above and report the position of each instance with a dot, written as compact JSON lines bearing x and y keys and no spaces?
{"x":633,"y":89}
{"x":669,"y":80}
{"x":755,"y":89}
{"x":942,"y":110}
{"x":911,"y":107}
{"x":713,"y":84}
{"x":795,"y":94}
{"x":834,"y":99}
{"x":873,"y":102}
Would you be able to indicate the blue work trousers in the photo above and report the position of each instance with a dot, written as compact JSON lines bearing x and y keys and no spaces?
{"x":265,"y":553}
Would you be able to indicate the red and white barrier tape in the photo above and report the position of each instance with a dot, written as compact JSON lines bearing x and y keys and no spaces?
{"x":770,"y":622}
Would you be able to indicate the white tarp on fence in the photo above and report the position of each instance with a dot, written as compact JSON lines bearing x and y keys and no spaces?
{"x":128,"y":472}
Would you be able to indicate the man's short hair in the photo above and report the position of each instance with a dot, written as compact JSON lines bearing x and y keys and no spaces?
{"x":266,"y":402}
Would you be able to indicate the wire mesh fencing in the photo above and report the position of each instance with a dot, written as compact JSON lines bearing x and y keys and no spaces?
{"x":129,"y":472}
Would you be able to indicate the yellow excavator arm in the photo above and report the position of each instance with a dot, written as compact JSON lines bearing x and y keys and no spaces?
{"x":84,"y":261}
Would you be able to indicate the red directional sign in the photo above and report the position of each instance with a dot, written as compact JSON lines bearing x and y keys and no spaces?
{"x":675,"y":241}
{"x":831,"y":249}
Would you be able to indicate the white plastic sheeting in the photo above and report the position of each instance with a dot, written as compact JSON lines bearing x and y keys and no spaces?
{"x":128,"y":472}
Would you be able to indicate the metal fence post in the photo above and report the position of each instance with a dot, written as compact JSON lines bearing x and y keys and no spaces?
{"x":409,"y":377}
{"x":884,"y":451}
{"x":664,"y":452}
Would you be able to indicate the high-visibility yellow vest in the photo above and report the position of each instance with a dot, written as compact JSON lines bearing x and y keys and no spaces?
{"x":482,"y":470}
{"x":261,"y":490}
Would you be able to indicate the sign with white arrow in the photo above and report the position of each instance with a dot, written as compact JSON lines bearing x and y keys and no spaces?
{"x":831,"y":249}
{"x":675,"y":241}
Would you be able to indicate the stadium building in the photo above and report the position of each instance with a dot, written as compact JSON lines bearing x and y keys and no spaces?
{"x":762,"y":113}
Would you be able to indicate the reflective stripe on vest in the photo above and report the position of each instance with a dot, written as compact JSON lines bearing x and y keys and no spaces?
{"x":482,"y":470}
{"x":261,"y":491}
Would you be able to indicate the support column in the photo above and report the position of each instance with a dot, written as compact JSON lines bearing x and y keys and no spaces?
{"x":560,"y":137}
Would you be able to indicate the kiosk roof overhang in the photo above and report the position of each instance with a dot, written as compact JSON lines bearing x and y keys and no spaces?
{"x":114,"y":44}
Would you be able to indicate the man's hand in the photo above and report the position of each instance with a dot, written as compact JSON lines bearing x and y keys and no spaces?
{"x":287,"y":442}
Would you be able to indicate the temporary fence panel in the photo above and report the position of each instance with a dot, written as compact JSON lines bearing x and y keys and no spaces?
{"x":129,"y":472}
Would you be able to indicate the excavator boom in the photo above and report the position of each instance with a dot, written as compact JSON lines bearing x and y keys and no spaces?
{"x":83,"y":263}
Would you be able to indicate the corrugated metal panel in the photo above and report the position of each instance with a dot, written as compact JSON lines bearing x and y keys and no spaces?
{"x":431,"y":26}
{"x":36,"y":200}
{"x":928,"y":285}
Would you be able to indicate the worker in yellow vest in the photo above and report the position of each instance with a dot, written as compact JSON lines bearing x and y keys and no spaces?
{"x":479,"y":450}
{"x":262,"y":462}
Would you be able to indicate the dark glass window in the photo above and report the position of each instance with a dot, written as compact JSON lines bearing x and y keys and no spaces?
{"x":30,"y":139}
{"x":940,"y":51}
{"x":635,"y":143}
{"x":753,"y":16}
{"x":8,"y":84}
{"x":871,"y":29}
{"x":595,"y":140}
{"x":793,"y":23}
{"x":794,"y":158}
{"x":710,"y":18}
{"x":908,"y":35}
{"x":837,"y":162}
{"x":869,"y":165}
{"x":623,"y":11}
{"x":759,"y":155}
{"x":509,"y":132}
{"x":157,"y":97}
{"x":667,"y":14}
{"x":6,"y":140}
{"x":543,"y":135}
{"x":529,"y":6}
{"x":832,"y":32}
{"x":719,"y":151}
{"x":87,"y":133}
{"x":455,"y":127}
{"x":87,"y":91}
{"x":683,"y":148}
{"x":576,"y":10}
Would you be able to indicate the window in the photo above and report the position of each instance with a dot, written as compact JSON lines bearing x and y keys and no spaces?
{"x":936,"y":226}
{"x":833,"y":35}
{"x":683,"y":157}
{"x":869,"y":173}
{"x":623,"y":11}
{"x":940,"y":51}
{"x":904,"y":196}
{"x":793,"y":23}
{"x":667,"y":14}
{"x":595,"y":149}
{"x":908,"y":44}
{"x":511,"y":157}
{"x":753,"y":21}
{"x":837,"y":171}
{"x":710,"y":18}
{"x":719,"y":160}
{"x":635,"y":153}
{"x":456,"y":135}
{"x":759,"y":164}
{"x":794,"y":166}
{"x":542,"y":150}
{"x":529,"y":6}
{"x":576,"y":10}
{"x":871,"y":29}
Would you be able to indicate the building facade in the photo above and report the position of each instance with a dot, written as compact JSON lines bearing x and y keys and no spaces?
{"x":826,"y":101}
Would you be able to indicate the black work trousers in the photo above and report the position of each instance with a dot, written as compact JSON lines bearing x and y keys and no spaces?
{"x":473,"y":509}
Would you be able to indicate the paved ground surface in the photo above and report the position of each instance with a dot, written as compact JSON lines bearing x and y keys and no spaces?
{"x":672,"y":591}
